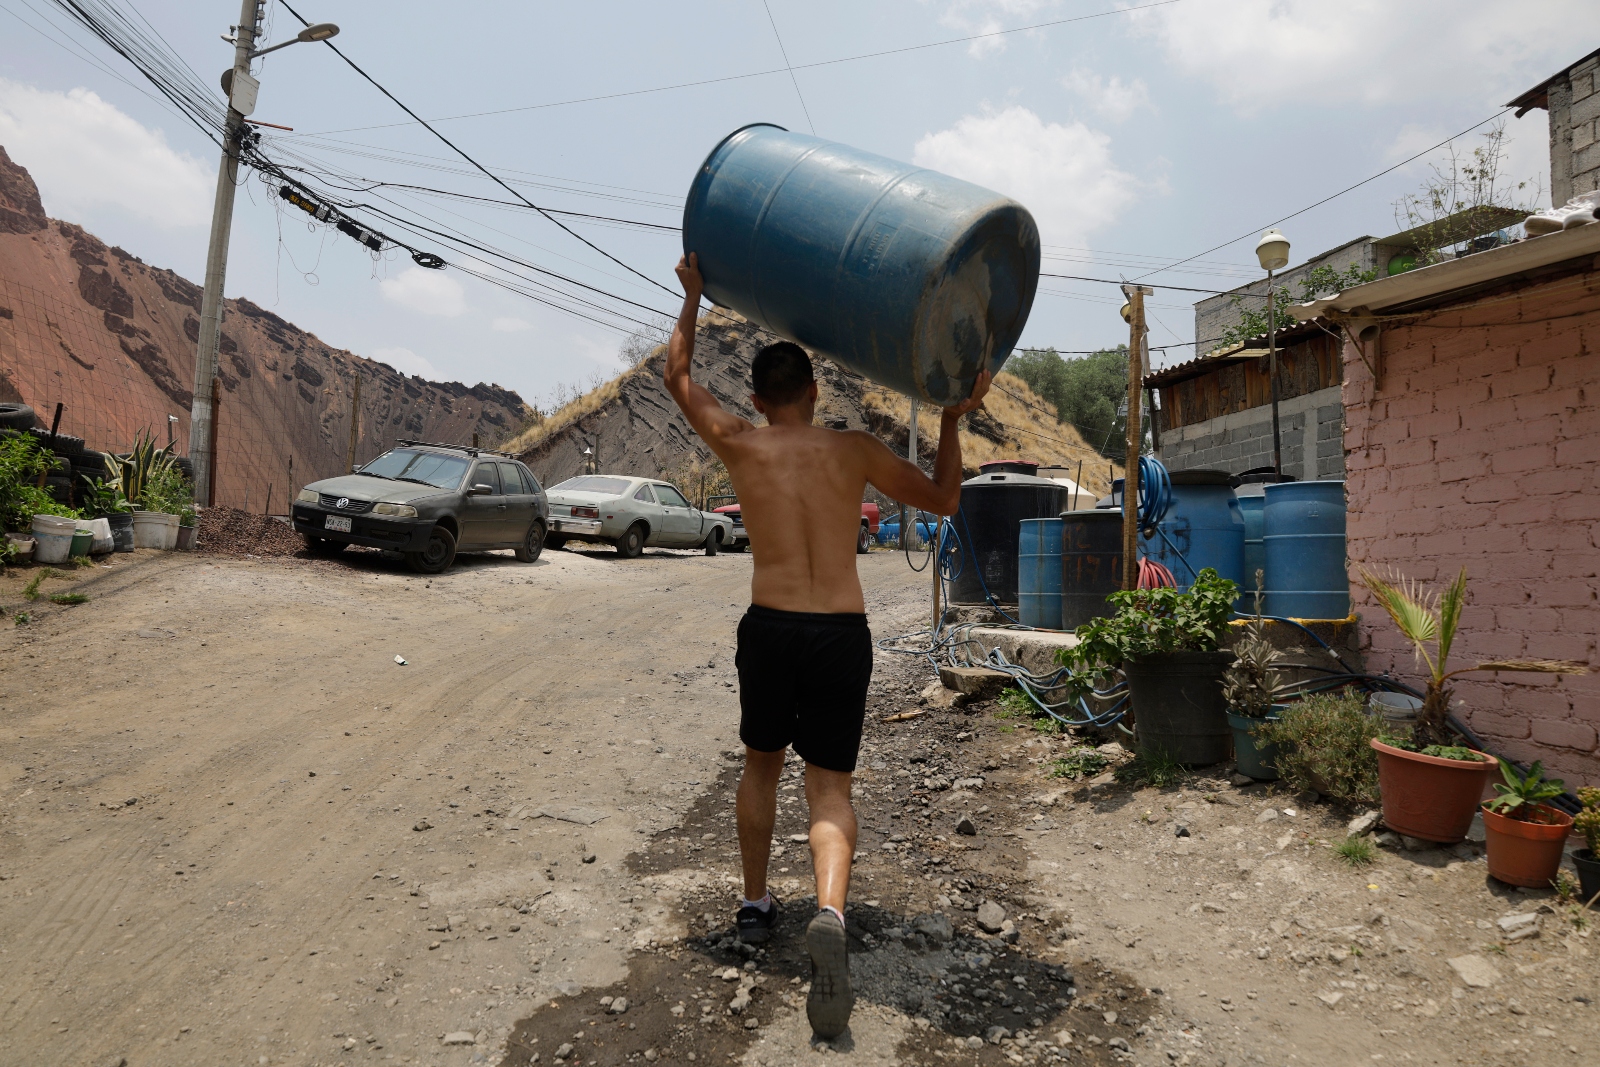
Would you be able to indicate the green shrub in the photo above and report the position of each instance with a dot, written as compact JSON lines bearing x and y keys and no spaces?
{"x":1358,"y":852}
{"x":166,"y":490}
{"x":21,"y":498}
{"x":1153,"y":621}
{"x":1323,"y":746}
{"x":1152,"y":767}
{"x":1078,"y":763}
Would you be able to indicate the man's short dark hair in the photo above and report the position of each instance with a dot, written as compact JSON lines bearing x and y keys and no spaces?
{"x":780,"y":373}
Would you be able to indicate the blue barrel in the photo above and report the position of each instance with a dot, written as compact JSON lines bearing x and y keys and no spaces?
{"x":1255,"y":549}
{"x":1039,"y":573}
{"x":913,"y":278}
{"x":1303,"y":524}
{"x":1203,"y":528}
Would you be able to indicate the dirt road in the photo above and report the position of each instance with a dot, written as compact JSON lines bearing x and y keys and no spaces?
{"x":234,"y":831}
{"x":228,"y":812}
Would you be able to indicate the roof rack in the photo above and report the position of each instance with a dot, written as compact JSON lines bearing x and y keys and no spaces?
{"x":471,"y":450}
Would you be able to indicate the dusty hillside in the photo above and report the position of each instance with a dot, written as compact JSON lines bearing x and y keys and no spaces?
{"x":113,"y":340}
{"x":635,"y":428}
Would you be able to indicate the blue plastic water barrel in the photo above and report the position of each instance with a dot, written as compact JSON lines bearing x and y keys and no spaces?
{"x":1203,"y":528}
{"x":1255,"y":549}
{"x":1303,"y":524}
{"x":1039,"y":573}
{"x":913,"y":278}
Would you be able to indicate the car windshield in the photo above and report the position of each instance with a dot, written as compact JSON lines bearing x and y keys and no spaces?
{"x":593,"y":483}
{"x":409,"y":465}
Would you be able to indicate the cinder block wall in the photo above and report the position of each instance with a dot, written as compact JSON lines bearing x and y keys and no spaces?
{"x":1309,"y":426}
{"x":1575,"y":132}
{"x":1482,"y":449}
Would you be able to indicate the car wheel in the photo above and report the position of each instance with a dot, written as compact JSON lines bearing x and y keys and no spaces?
{"x":631,"y":544}
{"x":863,"y":540}
{"x":713,"y":541}
{"x":322,"y":547}
{"x":437,"y":555}
{"x":533,"y":544}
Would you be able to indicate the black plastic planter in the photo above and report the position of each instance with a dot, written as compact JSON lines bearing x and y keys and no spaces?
{"x":121,"y":530}
{"x":1588,"y":865}
{"x":1178,"y":706}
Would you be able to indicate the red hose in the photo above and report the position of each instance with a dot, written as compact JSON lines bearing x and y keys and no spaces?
{"x":1153,"y":575}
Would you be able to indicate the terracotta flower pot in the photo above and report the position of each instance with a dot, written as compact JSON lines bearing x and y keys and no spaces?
{"x":1526,"y":853}
{"x":1429,"y":797}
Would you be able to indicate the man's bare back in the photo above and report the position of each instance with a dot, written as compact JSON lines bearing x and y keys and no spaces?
{"x":800,"y":486}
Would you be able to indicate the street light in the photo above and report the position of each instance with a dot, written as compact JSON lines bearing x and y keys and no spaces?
{"x":1272,"y":252}
{"x":321,"y":31}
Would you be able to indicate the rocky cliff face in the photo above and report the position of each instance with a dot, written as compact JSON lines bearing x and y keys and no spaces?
{"x":112,"y":339}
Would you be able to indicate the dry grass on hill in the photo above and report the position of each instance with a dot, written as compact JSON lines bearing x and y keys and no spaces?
{"x":1027,"y":421}
{"x":573,"y":410}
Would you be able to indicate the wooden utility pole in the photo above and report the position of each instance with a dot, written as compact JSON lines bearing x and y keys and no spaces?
{"x":355,"y":424}
{"x":1130,"y":465}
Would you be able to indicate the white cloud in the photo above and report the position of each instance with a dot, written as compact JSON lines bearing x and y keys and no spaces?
{"x":1267,"y":53}
{"x":1111,"y":97}
{"x":510,"y":324}
{"x":1064,"y":174}
{"x":405,"y":361}
{"x":87,"y":156}
{"x":970,"y":17}
{"x":430,"y":292}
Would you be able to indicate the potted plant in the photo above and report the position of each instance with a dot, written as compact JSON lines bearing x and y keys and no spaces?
{"x":1166,"y":642}
{"x":187,"y":524}
{"x":1430,"y":785}
{"x":1587,"y":860}
{"x":1524,"y":835}
{"x":1248,"y":687}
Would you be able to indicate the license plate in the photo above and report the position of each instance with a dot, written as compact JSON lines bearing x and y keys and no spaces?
{"x":337,"y":523}
{"x":738,"y":531}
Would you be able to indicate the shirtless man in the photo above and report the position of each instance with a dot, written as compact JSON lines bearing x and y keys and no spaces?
{"x":805,"y":654}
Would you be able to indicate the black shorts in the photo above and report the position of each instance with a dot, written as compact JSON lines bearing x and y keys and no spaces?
{"x":803,"y":682}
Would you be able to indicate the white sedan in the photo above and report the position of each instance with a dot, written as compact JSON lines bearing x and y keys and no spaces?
{"x":631,"y":513}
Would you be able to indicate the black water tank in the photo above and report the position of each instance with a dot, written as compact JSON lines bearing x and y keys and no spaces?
{"x":989,"y":523}
{"x":1091,"y":564}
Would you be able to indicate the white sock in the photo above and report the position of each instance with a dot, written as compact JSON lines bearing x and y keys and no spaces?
{"x":837,"y":914}
{"x":764,"y":904}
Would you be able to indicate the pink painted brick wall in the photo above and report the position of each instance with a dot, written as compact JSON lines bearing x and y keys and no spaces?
{"x":1482,"y":450}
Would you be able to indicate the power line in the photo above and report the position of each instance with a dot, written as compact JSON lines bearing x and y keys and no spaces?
{"x":1109,"y":281}
{"x":1334,"y":196}
{"x":785,"y":53}
{"x":487,"y":173}
{"x":779,"y":70}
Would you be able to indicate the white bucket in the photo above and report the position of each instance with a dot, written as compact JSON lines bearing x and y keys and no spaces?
{"x":23,"y":544}
{"x":154,"y":529}
{"x":101,"y":528}
{"x":53,"y":538}
{"x":1398,"y":709}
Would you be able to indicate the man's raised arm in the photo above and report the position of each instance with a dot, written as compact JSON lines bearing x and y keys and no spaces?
{"x":707,"y":416}
{"x":900,"y":479}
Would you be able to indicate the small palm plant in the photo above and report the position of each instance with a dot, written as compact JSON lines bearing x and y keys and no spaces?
{"x":1425,"y":616}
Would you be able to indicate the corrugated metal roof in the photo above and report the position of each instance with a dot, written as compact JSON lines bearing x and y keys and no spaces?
{"x":1254,"y":348}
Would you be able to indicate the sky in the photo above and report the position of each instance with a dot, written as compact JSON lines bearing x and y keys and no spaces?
{"x":1138,"y":134}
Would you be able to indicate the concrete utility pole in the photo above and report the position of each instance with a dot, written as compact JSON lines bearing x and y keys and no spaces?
{"x":355,"y":424}
{"x":1130,"y":465}
{"x":242,"y":90}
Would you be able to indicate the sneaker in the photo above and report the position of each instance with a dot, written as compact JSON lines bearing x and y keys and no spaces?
{"x":1579,"y":211}
{"x":755,"y":926}
{"x":829,"y":1003}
